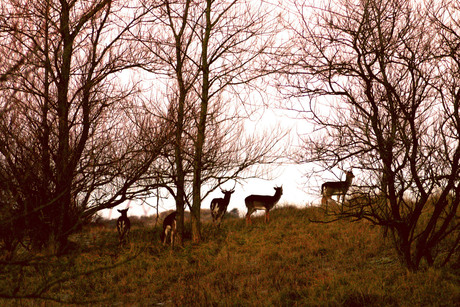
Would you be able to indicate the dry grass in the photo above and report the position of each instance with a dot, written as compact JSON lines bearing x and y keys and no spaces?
{"x":290,"y":261}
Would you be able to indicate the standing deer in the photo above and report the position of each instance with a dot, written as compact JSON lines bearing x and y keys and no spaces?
{"x":123,"y":226}
{"x":169,"y":228}
{"x":339,"y":188}
{"x":262,"y":202}
{"x":219,"y":206}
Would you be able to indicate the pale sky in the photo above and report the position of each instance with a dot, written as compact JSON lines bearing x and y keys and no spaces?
{"x":297,"y":189}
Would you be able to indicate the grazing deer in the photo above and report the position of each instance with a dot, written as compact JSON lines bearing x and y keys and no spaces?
{"x":169,"y":228}
{"x":219,"y":206}
{"x":339,"y":188}
{"x":262,"y":202}
{"x":123,"y":226}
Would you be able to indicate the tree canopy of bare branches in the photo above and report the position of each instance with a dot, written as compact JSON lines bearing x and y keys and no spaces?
{"x":381,"y":81}
{"x":208,"y":53}
{"x":72,"y":139}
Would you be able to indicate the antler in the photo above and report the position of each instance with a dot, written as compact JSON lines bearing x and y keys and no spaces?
{"x":234,"y":186}
{"x":232,"y":189}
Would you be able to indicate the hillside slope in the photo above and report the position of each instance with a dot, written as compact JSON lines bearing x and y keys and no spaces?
{"x":290,"y":261}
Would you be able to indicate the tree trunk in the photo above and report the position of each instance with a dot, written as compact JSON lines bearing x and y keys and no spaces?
{"x":62,"y":198}
{"x":180,"y":184}
{"x":201,"y":135}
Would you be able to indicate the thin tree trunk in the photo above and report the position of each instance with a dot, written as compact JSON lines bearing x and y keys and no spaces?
{"x":201,"y":136}
{"x":63,"y":177}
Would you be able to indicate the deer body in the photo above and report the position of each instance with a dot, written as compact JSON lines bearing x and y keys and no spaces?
{"x":219,"y":206}
{"x":262,"y":202}
{"x":339,"y":188}
{"x":123,"y":226}
{"x":169,"y":227}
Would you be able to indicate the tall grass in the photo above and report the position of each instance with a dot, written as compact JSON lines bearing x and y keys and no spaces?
{"x":290,"y":261}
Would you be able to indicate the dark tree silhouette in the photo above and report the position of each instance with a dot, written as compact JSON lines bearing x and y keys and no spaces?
{"x":71,"y":138}
{"x":382,"y":82}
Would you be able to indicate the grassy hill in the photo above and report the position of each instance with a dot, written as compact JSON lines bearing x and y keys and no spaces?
{"x":288,"y":262}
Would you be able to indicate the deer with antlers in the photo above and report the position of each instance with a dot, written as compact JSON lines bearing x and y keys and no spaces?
{"x":339,"y":188}
{"x":219,"y":206}
{"x":262,"y":202}
{"x":123,"y":226}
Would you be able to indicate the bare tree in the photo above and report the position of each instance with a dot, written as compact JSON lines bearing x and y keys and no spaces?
{"x":69,"y":145}
{"x":381,"y":81}
{"x":233,"y":36}
{"x":169,"y":45}
{"x":210,"y":50}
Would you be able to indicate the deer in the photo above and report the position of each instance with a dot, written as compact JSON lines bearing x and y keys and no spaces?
{"x":339,"y":188}
{"x":123,"y":226}
{"x":219,"y":206}
{"x":262,"y":202}
{"x":169,"y":228}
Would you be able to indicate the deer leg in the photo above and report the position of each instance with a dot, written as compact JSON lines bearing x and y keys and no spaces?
{"x":122,"y":237}
{"x":166,"y":232}
{"x":248,"y":218}
{"x":325,"y":201}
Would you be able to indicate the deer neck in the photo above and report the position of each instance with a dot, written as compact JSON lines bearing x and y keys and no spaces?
{"x":276,"y":197}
